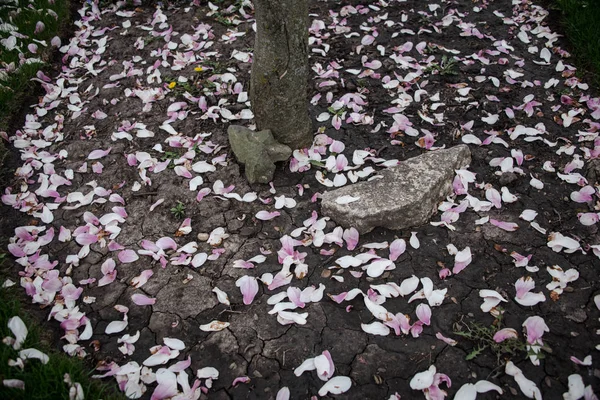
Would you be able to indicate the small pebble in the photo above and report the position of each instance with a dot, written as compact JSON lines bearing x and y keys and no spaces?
{"x":203,"y":236}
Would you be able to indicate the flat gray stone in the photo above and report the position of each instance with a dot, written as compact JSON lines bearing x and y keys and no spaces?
{"x":258,"y":151}
{"x":406,"y":196}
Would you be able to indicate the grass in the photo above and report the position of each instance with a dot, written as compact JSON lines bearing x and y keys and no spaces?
{"x":42,"y":381}
{"x":18,"y":65}
{"x":580,"y":21}
{"x":178,"y":211}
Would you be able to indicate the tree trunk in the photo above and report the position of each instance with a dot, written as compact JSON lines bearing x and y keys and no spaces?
{"x":278,"y":85}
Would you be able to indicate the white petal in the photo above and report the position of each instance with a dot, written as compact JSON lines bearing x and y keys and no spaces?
{"x":33,"y":353}
{"x":376,"y":328}
{"x":174,"y":344}
{"x":116,"y":327}
{"x":214,"y":326}
{"x":346,"y":199}
{"x":221,"y":296}
{"x":466,"y":392}
{"x":576,"y":388}
{"x":307,"y":365}
{"x":423,"y":380}
{"x":336,"y":385}
{"x":18,"y":328}
{"x":486,"y":386}
{"x":207,"y":373}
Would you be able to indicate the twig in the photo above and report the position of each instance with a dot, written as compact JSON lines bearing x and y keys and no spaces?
{"x":144,"y":194}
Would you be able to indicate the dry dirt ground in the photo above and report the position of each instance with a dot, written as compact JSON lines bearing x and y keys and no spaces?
{"x":127,"y":208}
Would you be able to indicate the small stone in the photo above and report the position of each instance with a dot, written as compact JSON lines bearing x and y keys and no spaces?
{"x":203,"y":237}
{"x":507,"y":178}
{"x":578,"y":316}
{"x":406,"y":196}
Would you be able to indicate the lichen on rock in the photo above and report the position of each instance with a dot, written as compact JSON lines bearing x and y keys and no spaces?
{"x":258,"y":151}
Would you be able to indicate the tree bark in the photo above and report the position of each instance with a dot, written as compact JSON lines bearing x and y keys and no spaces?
{"x":278,"y":85}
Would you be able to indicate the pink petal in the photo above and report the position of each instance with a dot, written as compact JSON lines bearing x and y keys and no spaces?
{"x":115,"y":198}
{"x":587,"y":361}
{"x":504,"y":334}
{"x":114,"y":246}
{"x":142,"y":300}
{"x":249,"y":288}
{"x":142,"y":278}
{"x":588,"y":219}
{"x":337,"y":147}
{"x":445,"y":339}
{"x":181,"y":365}
{"x":461,"y":260}
{"x":266,"y":216}
{"x":507,"y":226}
{"x":397,"y":248}
{"x":584,"y":195}
{"x":424,"y":313}
{"x":524,"y":285}
{"x":367,"y":40}
{"x":494,"y":197}
{"x":240,"y":379}
{"x":128,"y":256}
{"x":39,"y":27}
{"x":108,"y":266}
{"x":324,"y":366}
{"x":167,"y":385}
{"x":183,"y":171}
{"x":64,"y":234}
{"x":86,"y":239}
{"x":294,"y":296}
{"x":535,"y":327}
{"x":351,"y":236}
{"x":96,"y":154}
{"x":202,"y":193}
{"x":165,"y":243}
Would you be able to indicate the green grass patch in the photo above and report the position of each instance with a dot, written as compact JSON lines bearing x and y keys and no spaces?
{"x":42,"y":381}
{"x":24,"y":23}
{"x":580,"y":21}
